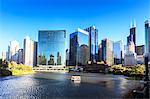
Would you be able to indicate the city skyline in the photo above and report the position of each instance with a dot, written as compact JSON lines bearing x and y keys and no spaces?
{"x":27,"y":21}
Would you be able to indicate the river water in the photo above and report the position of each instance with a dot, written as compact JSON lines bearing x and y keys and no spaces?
{"x":59,"y":86}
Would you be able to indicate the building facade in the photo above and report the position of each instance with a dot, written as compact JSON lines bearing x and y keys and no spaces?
{"x":52,"y":47}
{"x":107,"y":51}
{"x":100,"y":53}
{"x":132,"y":36}
{"x":147,"y":37}
{"x":140,"y":50}
{"x":13,"y":51}
{"x":117,"y":52}
{"x":79,"y":49}
{"x":130,"y":58}
{"x":4,"y":55}
{"x":30,"y":52}
{"x":93,"y":43}
{"x":20,"y":56}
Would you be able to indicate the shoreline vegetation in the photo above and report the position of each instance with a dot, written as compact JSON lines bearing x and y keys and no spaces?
{"x":12,"y":68}
{"x":133,"y":73}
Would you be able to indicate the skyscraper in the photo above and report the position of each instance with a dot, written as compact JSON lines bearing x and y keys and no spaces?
{"x":147,"y":36}
{"x":107,"y":51}
{"x":79,"y":49}
{"x":117,"y":52}
{"x":93,"y":43}
{"x":30,"y":52}
{"x":13,"y":51}
{"x":132,"y":36}
{"x":52,"y":47}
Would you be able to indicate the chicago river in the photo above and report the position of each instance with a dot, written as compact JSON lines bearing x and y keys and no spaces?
{"x":58,"y":85}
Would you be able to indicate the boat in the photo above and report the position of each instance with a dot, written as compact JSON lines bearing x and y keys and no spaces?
{"x":76,"y":78}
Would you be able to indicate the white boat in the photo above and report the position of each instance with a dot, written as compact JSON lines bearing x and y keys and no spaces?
{"x":76,"y":78}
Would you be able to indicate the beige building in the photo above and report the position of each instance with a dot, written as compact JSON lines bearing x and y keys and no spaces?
{"x":13,"y":51}
{"x":30,"y":52}
{"x":3,"y":55}
{"x":107,"y":51}
{"x":130,"y":58}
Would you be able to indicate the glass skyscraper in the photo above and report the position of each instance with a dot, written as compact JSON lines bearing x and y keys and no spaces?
{"x":51,"y":47}
{"x":117,"y":51}
{"x":147,"y":36}
{"x":79,"y":49}
{"x":93,"y":43}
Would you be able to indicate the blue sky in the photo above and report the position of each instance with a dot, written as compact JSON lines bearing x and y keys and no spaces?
{"x":20,"y":18}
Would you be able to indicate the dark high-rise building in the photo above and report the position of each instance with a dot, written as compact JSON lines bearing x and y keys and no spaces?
{"x":140,"y":50}
{"x":51,"y":47}
{"x":132,"y":36}
{"x":79,"y":50}
{"x":93,"y":43}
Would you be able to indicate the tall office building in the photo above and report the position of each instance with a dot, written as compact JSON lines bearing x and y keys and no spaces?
{"x":30,"y":52}
{"x":52,"y":47}
{"x":93,"y":43}
{"x":117,"y":51}
{"x":79,"y":49}
{"x":107,"y":51}
{"x":147,"y":37}
{"x":13,"y":51}
{"x":132,"y":36}
{"x":20,"y":56}
{"x":140,"y":54}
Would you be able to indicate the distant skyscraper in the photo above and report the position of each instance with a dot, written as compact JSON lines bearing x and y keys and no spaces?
{"x":13,"y":51}
{"x":30,"y":52}
{"x":107,"y":51}
{"x":52,"y":47}
{"x":20,"y":56}
{"x":132,"y":36}
{"x":93,"y":43}
{"x":4,"y":56}
{"x":79,"y":49}
{"x":147,"y":36}
{"x":117,"y":51}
